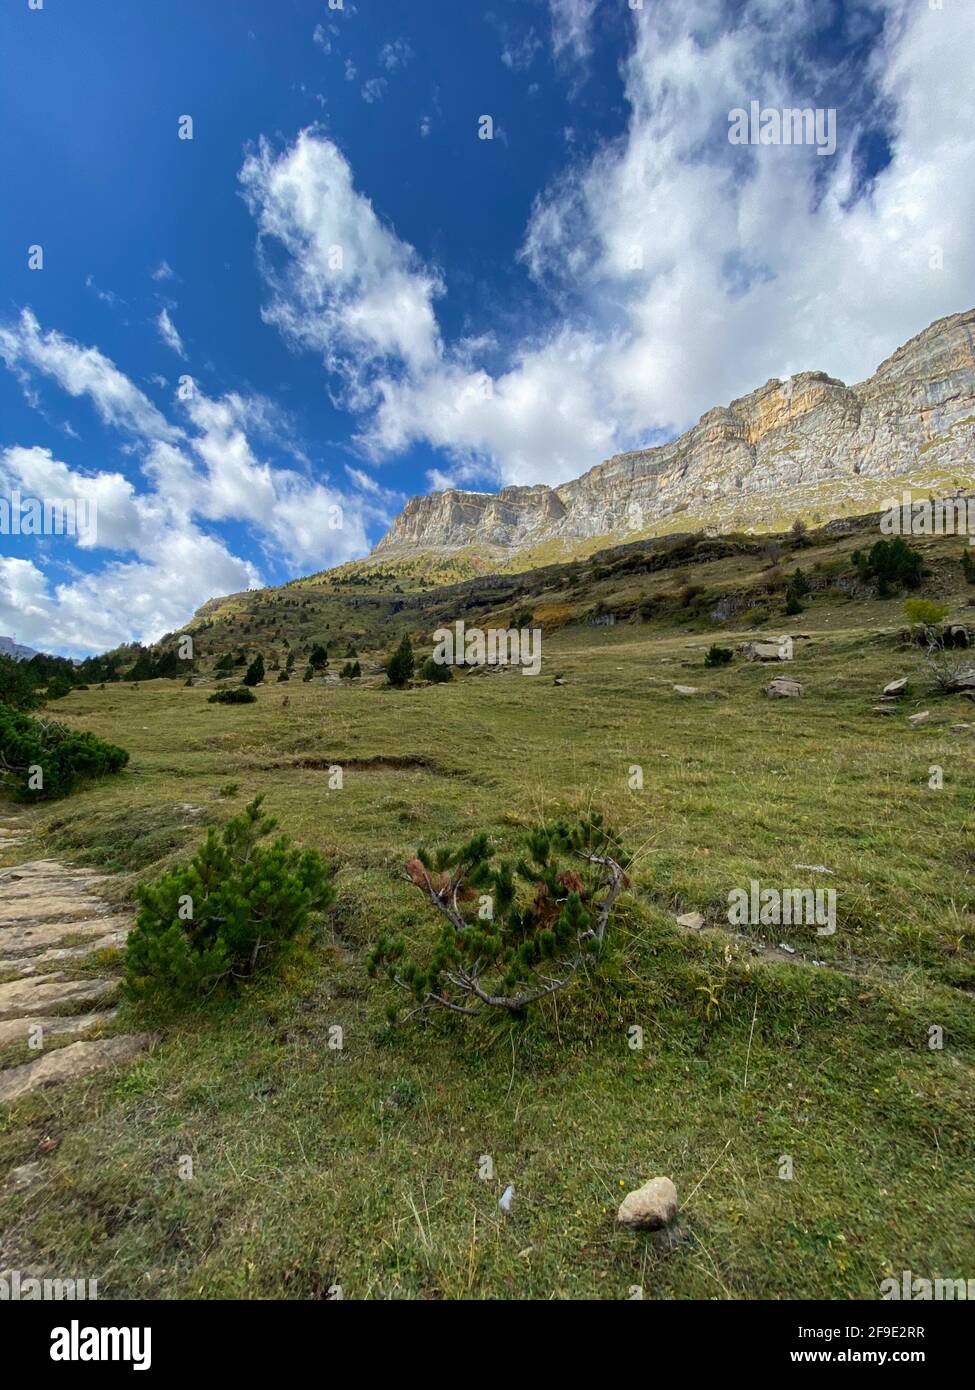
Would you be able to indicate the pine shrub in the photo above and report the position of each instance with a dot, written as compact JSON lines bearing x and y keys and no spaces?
{"x":512,"y":933}
{"x":236,"y":695}
{"x":41,"y":760}
{"x":436,"y":671}
{"x":233,"y":912}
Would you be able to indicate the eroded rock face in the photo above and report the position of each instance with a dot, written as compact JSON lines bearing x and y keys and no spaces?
{"x":911,"y":418}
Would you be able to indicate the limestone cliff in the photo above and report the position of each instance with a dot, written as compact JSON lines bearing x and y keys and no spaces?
{"x":810,"y":446}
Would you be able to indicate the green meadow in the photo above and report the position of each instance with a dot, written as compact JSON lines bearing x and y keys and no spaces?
{"x":361,"y":1165}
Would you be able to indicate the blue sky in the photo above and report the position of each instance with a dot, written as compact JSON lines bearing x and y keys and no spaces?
{"x":503,"y":311}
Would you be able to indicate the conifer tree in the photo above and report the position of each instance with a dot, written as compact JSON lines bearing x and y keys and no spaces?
{"x":255,"y":671}
{"x":401,"y":664}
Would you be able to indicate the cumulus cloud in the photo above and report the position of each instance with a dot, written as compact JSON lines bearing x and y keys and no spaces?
{"x":158,"y":528}
{"x":350,"y":288}
{"x":168,"y":333}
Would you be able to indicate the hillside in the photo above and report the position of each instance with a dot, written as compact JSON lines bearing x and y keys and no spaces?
{"x":697,"y":582}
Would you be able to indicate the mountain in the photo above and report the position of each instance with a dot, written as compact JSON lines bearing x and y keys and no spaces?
{"x":810,"y":446}
{"x":8,"y":647}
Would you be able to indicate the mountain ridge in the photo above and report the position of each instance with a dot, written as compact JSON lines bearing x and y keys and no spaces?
{"x":810,"y":445}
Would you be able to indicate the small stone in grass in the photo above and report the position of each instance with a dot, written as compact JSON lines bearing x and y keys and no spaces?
{"x":650,"y":1207}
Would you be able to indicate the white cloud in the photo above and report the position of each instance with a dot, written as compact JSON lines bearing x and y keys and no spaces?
{"x":164,"y":271}
{"x":35,"y":472}
{"x":125,"y":599}
{"x":352,"y":290}
{"x":106,"y":296}
{"x":518,"y":50}
{"x":81,"y":371}
{"x":395,"y":55}
{"x":572,"y":27}
{"x":374,"y":90}
{"x":168,"y":333}
{"x":167,"y":561}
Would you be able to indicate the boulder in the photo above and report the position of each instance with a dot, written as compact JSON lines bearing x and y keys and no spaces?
{"x":768,"y":651}
{"x":897,"y":687}
{"x":782,"y":687}
{"x":650,"y":1207}
{"x":694,"y":920}
{"x":687,"y":690}
{"x":965,"y":680}
{"x":916,"y":719}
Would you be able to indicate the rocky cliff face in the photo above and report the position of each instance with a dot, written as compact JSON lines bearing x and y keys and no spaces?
{"x":8,"y":647}
{"x":809,"y":444}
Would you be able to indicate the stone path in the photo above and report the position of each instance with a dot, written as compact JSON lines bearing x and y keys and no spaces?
{"x":52,"y":914}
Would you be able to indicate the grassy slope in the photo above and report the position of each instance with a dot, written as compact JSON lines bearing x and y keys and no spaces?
{"x":359,"y":1167}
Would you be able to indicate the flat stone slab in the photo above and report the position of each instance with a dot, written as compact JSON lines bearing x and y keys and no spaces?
{"x":48,"y":866}
{"x":50,"y":907}
{"x":46,"y":992}
{"x":69,"y":1063}
{"x":783,"y":687}
{"x":24,"y":889}
{"x":28,"y":965}
{"x":35,"y":937}
{"x":19,"y":1030}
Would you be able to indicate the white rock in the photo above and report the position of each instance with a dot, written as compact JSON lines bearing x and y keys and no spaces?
{"x":650,"y":1207}
{"x":694,"y":920}
{"x":783,"y":686}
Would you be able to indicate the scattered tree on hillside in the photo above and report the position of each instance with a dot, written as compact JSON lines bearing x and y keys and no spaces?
{"x":255,"y":671}
{"x":891,"y":564}
{"x":400,"y":667}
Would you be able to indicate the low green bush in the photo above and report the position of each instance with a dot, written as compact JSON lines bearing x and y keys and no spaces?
{"x":512,"y":933}
{"x":718,"y":656}
{"x":41,"y":760}
{"x":236,"y":695}
{"x":436,"y":671}
{"x":233,"y":912}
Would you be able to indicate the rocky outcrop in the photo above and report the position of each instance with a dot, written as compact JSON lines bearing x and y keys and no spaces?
{"x":813,"y":435}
